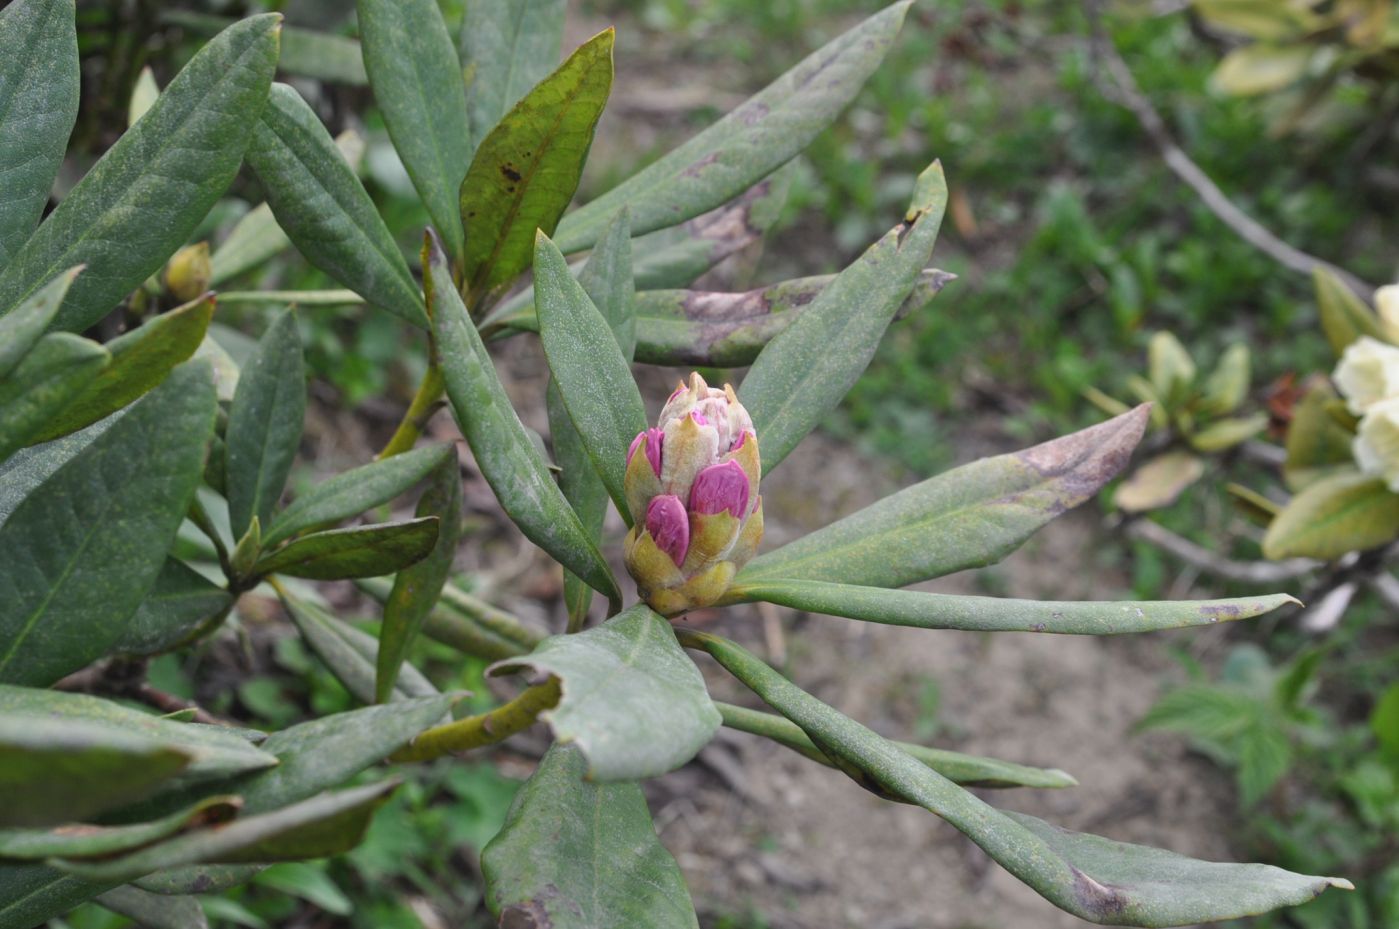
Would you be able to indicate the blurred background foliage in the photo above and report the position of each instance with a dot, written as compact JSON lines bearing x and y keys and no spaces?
{"x":1073,"y":243}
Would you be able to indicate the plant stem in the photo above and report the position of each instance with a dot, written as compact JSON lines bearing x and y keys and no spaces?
{"x":485,"y":729}
{"x":200,"y":517}
{"x":490,"y":617}
{"x":419,"y":412}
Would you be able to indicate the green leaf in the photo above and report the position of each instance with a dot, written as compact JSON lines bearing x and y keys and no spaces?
{"x":90,"y":841}
{"x":509,"y":461}
{"x":147,"y":194}
{"x":1096,"y":879}
{"x":1227,"y":385}
{"x":310,"y":883}
{"x":55,"y":770}
{"x":38,"y":390}
{"x":358,"y":551}
{"x":577,"y":855}
{"x":1170,"y":369}
{"x":81,"y":551}
{"x":1260,"y":68}
{"x":417,"y":82}
{"x":255,"y":238}
{"x":198,"y":879}
{"x":324,"y":208}
{"x":417,"y":588}
{"x":1159,"y":481}
{"x":141,"y":359}
{"x":264,"y":425}
{"x":330,"y":639}
{"x":968,"y":517}
{"x":586,"y":361}
{"x":1345,"y":512}
{"x":507,"y":46}
{"x":1344,"y":316}
{"x":749,"y":143}
{"x":356,"y":491}
{"x":970,"y":770}
{"x":143,"y":96}
{"x":1385,"y":721}
{"x":38,"y":105}
{"x":632,"y":701}
{"x":180,"y":601}
{"x":607,"y":280}
{"x":31,"y":894}
{"x":1223,"y":434}
{"x":155,"y":911}
{"x":305,"y":52}
{"x":994,"y":614}
{"x":1317,"y":444}
{"x":806,"y":369}
{"x":327,"y":824}
{"x":22,"y":328}
{"x":525,"y":172}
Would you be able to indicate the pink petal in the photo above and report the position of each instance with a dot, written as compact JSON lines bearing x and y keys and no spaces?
{"x":720,"y":487}
{"x":669,"y":526}
{"x":654,"y":439}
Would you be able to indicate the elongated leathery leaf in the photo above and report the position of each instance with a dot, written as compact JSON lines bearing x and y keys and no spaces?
{"x":180,"y":601}
{"x":305,"y":52}
{"x":264,"y":425}
{"x":356,"y":491}
{"x":357,"y":551}
{"x":38,"y":106}
{"x":994,"y":614}
{"x":324,"y":208}
{"x":417,"y":82}
{"x":327,"y":637}
{"x":970,"y":770}
{"x":509,"y":461}
{"x":577,"y":855}
{"x":155,"y":911}
{"x":808,"y":367}
{"x":81,"y":550}
{"x":417,"y":588}
{"x":1344,"y":512}
{"x":525,"y":172}
{"x":749,"y":143}
{"x":968,"y":517}
{"x":145,"y":196}
{"x":31,"y":893}
{"x":141,"y":359}
{"x":632,"y":701}
{"x":1344,"y":316}
{"x":594,"y":378}
{"x":23,"y":327}
{"x":95,"y":841}
{"x":326,"y":824}
{"x":38,"y":390}
{"x":507,"y":46}
{"x":1093,"y":878}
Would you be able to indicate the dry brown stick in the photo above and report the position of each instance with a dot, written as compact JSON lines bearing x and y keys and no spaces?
{"x":1208,"y":562}
{"x":1119,"y":86}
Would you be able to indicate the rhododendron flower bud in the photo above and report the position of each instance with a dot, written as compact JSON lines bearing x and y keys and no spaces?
{"x":692,"y":488}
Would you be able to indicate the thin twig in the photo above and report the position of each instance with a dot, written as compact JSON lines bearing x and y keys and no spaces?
{"x":1115,"y":81}
{"x":1208,"y":562}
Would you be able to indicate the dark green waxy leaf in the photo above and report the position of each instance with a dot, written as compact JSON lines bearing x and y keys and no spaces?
{"x":23,"y":326}
{"x":509,"y":460}
{"x":59,"y":770}
{"x":36,"y":392}
{"x":124,"y":218}
{"x":359,"y":551}
{"x":349,"y":660}
{"x":356,"y":491}
{"x":155,"y":911}
{"x":87,"y":841}
{"x":995,"y":614}
{"x":507,"y":46}
{"x":459,"y":630}
{"x":810,"y":366}
{"x":264,"y":425}
{"x":180,"y":601}
{"x":968,"y":517}
{"x":305,"y":52}
{"x":31,"y":894}
{"x":197,"y":879}
{"x":417,"y":82}
{"x":30,"y":467}
{"x":586,"y":361}
{"x":1344,"y":316}
{"x":326,"y":824}
{"x":411,"y":682}
{"x":607,"y":280}
{"x":324,"y":208}
{"x":38,"y":105}
{"x":632,"y":701}
{"x":417,"y":588}
{"x":746,"y":145}
{"x":579,"y":855}
{"x":1093,"y":878}
{"x":1344,"y":512}
{"x":141,"y":359}
{"x":81,"y":551}
{"x":525,"y":172}
{"x":1317,"y":445}
{"x":255,"y":238}
{"x":214,"y":751}
{"x":970,"y":770}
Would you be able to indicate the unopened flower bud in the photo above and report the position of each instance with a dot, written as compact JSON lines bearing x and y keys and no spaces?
{"x":691,"y":485}
{"x":189,"y":271}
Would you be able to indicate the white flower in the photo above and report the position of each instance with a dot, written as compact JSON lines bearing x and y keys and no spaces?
{"x":1368,"y":372}
{"x":1376,"y":445}
{"x":1387,"y":306}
